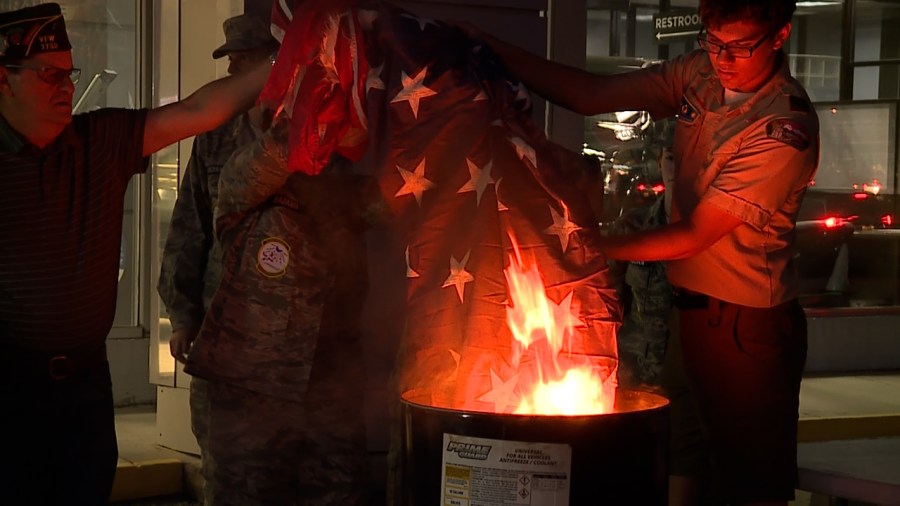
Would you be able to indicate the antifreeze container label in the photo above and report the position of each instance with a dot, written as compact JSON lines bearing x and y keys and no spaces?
{"x":493,"y":472}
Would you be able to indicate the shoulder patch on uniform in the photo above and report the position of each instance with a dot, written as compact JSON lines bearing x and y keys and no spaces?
{"x":687,"y":113}
{"x":273,"y":257}
{"x":797,"y":104}
{"x":789,"y":132}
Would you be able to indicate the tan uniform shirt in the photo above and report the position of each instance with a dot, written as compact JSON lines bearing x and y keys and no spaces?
{"x":753,"y":160}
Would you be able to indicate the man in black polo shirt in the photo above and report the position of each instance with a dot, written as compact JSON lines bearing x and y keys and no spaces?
{"x":61,"y":204}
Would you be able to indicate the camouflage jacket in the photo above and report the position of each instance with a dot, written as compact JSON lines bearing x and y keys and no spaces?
{"x":285,"y":319}
{"x":644,"y":334}
{"x":191,"y":265}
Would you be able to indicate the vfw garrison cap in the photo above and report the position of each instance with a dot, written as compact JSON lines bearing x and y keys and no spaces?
{"x":32,"y":30}
{"x":247,"y":31}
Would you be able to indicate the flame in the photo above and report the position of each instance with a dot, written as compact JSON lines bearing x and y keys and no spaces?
{"x":565,"y":383}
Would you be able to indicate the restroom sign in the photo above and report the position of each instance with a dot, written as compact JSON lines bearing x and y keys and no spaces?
{"x":676,"y":25}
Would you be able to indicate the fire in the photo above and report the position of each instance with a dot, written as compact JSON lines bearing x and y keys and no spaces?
{"x":565,"y":383}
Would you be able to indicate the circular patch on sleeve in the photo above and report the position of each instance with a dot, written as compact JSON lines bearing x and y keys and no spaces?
{"x":273,"y":257}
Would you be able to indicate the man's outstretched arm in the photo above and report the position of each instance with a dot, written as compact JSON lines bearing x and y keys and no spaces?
{"x":206,"y":108}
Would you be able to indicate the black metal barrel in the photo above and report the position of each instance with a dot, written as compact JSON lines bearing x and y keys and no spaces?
{"x":464,"y":458}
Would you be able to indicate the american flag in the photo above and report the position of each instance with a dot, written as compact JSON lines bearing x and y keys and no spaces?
{"x":450,"y":136}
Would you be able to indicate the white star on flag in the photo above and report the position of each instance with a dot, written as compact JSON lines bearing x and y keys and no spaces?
{"x":415,"y":183}
{"x":459,"y":276}
{"x":410,"y":273}
{"x":502,"y":393}
{"x":500,"y":205}
{"x":524,"y":151}
{"x":561,"y":227}
{"x":456,"y":357}
{"x":373,"y":80}
{"x":413,"y":90}
{"x":479,"y":178}
{"x":521,"y":93}
{"x":563,"y":315}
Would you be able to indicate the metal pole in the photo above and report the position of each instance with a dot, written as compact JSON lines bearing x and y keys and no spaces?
{"x":848,"y":49}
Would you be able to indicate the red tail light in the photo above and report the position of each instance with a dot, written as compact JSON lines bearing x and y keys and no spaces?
{"x":860,"y":196}
{"x":658,"y":188}
{"x":837,"y":221}
{"x":641,"y":187}
{"x":887,"y":220}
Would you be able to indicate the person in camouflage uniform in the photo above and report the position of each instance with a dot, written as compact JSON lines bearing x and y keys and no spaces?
{"x":191,"y":261}
{"x":644,"y":335}
{"x":280,"y":345}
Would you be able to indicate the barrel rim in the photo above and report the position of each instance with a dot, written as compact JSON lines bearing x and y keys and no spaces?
{"x":657,"y":402}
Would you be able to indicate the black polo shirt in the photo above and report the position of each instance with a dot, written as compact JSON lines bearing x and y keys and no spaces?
{"x":61,"y":212}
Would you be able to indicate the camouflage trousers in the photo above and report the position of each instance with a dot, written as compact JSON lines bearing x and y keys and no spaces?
{"x":642,"y":342}
{"x":644,"y":335}
{"x":271,"y":451}
{"x":200,"y":425}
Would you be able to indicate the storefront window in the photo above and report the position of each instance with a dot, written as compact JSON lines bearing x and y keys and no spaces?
{"x":184,"y":36}
{"x":848,"y":241}
{"x":624,"y":36}
{"x":814,"y":48}
{"x":876,"y":72}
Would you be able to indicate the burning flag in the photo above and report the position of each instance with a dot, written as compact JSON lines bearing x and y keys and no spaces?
{"x":563,"y":383}
{"x":493,"y":232}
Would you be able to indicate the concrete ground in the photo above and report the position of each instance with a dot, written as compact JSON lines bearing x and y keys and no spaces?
{"x":845,"y":407}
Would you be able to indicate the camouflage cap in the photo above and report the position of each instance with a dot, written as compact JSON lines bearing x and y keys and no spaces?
{"x":247,"y":31}
{"x":26,"y":32}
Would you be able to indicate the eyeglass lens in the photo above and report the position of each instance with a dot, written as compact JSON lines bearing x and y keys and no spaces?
{"x":734,"y":51}
{"x":51,"y":75}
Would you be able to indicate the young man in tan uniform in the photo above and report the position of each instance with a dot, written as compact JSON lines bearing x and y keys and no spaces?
{"x":746,"y":147}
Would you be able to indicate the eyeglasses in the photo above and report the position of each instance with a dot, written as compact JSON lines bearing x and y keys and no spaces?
{"x":50,"y":75}
{"x":737,"y":51}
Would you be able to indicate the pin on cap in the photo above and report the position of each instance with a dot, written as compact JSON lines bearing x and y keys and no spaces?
{"x":32,"y":30}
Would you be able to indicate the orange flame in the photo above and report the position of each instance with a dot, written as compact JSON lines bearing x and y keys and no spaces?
{"x":565,"y":383}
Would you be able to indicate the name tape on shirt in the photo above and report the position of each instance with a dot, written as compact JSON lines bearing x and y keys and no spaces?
{"x":789,"y":132}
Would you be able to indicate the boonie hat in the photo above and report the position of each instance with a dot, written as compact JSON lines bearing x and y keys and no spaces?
{"x":32,"y":30}
{"x":247,"y":31}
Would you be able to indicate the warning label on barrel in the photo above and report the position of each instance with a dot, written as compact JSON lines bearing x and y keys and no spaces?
{"x":493,"y":472}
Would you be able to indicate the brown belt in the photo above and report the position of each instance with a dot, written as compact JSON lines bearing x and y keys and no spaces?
{"x":689,"y":300}
{"x":52,"y":365}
